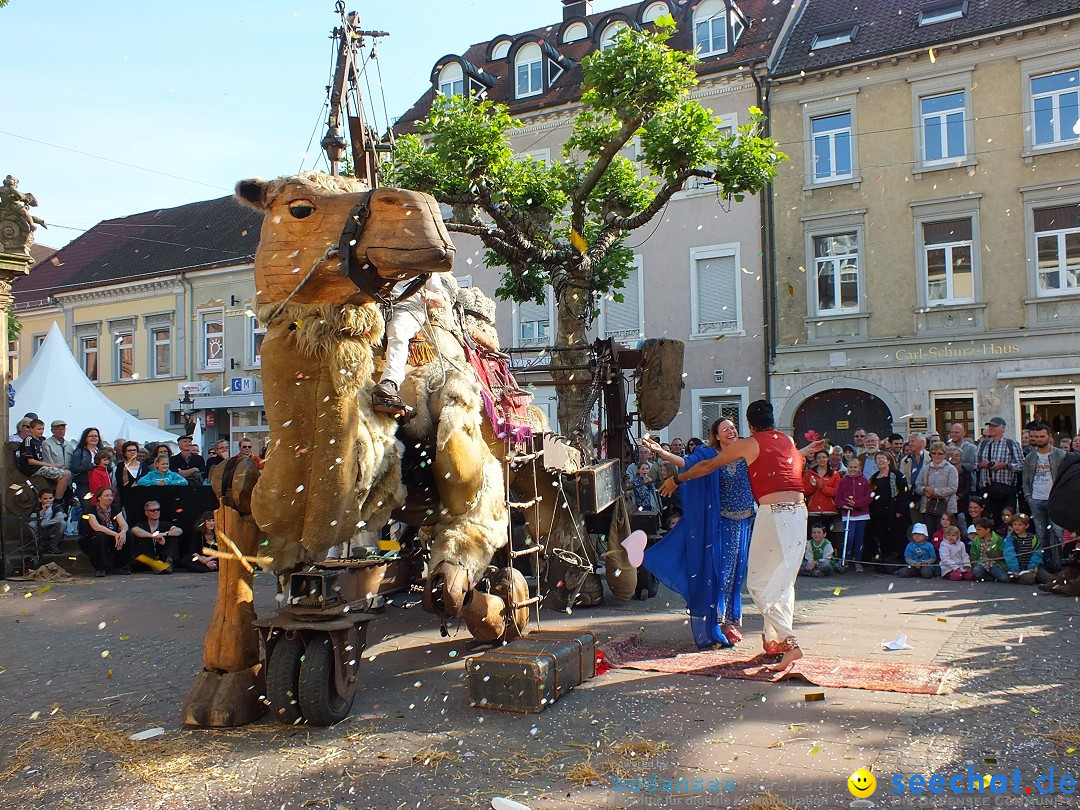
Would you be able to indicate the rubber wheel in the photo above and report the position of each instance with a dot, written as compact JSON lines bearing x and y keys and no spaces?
{"x":320,"y":703}
{"x":283,"y":680}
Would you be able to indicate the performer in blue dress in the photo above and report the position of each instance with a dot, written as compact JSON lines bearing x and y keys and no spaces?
{"x":704,"y":557}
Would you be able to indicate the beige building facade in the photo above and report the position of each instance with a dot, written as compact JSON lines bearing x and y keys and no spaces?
{"x":147,"y":324}
{"x":927,"y":228}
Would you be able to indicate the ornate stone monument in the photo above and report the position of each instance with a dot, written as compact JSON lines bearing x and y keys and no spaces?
{"x":17,"y":227}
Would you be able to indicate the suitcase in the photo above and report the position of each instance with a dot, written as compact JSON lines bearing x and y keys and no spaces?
{"x":528,"y":675}
{"x":584,"y":638}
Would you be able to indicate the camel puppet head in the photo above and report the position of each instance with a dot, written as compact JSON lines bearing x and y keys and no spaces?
{"x":356,"y":242}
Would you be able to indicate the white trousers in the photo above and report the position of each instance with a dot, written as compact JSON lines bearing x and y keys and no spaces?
{"x":400,"y":329}
{"x":777,"y":546}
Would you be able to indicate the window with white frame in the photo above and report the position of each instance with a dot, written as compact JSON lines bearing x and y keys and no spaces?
{"x":654,"y":12}
{"x":88,"y":356}
{"x":711,"y":27}
{"x":575,"y":31}
{"x":528,"y":67}
{"x":944,"y":139}
{"x":501,"y":49}
{"x":715,"y":290}
{"x":35,"y":344}
{"x":13,"y":359}
{"x":947,"y":253}
{"x":212,"y":340}
{"x":728,"y":124}
{"x":832,"y":147}
{"x":607,"y":39}
{"x":256,"y":333}
{"x":161,"y":351}
{"x":836,"y":273}
{"x":625,"y":320}
{"x":1057,"y":245}
{"x":532,"y":321}
{"x":123,"y":355}
{"x":1055,"y":107}
{"x":452,"y":80}
{"x":711,"y":408}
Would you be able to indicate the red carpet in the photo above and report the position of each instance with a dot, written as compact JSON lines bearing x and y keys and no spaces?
{"x":627,"y":652}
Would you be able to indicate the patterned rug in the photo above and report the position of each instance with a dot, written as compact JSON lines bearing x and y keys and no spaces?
{"x":627,"y":652}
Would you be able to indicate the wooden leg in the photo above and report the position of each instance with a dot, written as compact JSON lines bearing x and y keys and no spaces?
{"x":227,"y":692}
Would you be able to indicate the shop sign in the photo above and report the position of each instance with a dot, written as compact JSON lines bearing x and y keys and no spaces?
{"x":947,"y":351}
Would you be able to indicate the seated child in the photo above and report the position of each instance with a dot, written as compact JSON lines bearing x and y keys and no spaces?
{"x":161,"y":475}
{"x":987,"y":554}
{"x":1023,"y":555}
{"x":919,"y":555}
{"x":955,"y":562}
{"x":818,"y":560}
{"x":673,"y":519}
{"x":1005,"y":526}
{"x":47,"y":524}
{"x":939,"y":536}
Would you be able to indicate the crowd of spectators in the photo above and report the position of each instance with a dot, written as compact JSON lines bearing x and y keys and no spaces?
{"x":79,"y":486}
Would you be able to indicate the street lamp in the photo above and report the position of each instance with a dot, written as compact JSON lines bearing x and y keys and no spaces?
{"x":187,"y":408}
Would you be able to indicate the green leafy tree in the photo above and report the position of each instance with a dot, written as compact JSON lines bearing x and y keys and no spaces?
{"x":14,"y":325}
{"x":564,"y":223}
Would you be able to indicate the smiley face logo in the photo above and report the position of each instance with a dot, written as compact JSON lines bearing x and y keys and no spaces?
{"x":862,"y":783}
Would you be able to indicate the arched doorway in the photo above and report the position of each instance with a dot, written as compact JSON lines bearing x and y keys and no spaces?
{"x":838,"y":412}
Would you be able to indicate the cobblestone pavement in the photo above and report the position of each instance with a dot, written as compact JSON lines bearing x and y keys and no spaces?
{"x":80,"y":662}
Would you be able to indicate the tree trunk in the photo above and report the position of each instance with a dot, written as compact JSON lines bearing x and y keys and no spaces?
{"x":574,"y":385}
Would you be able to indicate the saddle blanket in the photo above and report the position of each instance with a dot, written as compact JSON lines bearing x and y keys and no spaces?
{"x":506,"y":404}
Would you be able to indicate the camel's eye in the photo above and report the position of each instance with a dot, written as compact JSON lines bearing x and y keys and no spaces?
{"x":300,"y":209}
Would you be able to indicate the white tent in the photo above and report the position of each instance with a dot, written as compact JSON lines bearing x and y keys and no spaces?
{"x":54,"y":387}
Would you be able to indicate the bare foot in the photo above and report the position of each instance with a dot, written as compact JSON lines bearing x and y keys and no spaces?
{"x":731,"y":632}
{"x":788,"y":660}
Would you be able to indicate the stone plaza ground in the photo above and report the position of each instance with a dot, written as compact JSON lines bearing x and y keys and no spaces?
{"x":85,"y":664}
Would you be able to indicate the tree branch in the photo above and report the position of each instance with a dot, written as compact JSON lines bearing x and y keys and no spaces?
{"x":670,"y":188}
{"x":607,"y":154}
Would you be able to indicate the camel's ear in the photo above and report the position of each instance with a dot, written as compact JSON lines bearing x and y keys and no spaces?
{"x":253,"y":192}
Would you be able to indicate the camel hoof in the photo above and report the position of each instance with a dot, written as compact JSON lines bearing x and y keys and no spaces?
{"x":510,"y":586}
{"x":484,"y":616}
{"x":225,"y":699}
{"x":445,"y":590}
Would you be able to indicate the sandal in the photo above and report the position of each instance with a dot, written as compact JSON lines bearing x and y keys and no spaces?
{"x":731,"y":632}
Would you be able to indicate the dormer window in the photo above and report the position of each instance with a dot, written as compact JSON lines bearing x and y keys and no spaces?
{"x":501,"y":49}
{"x":528,"y":66}
{"x":575,"y":31}
{"x":654,"y":12}
{"x":607,"y":40}
{"x":942,"y":11}
{"x":834,"y":35}
{"x":714,"y":22}
{"x":452,"y":80}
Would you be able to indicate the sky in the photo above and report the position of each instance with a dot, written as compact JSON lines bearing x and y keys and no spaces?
{"x":118,"y":107}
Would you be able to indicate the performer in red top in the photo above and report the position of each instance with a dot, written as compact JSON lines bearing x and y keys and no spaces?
{"x":779,"y":537}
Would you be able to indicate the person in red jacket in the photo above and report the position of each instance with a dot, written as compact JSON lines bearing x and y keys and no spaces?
{"x":853,"y":496}
{"x":99,"y":475}
{"x":819,"y":486}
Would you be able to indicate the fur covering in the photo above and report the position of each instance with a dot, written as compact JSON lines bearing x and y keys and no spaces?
{"x":334,"y":463}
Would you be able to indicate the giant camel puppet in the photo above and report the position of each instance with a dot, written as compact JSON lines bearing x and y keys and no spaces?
{"x":329,"y":254}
